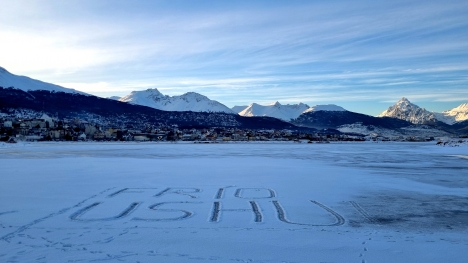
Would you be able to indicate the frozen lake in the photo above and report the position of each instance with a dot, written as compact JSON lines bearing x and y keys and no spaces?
{"x":246,"y":202}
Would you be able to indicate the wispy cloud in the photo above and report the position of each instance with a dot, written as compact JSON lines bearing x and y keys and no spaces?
{"x":246,"y":51}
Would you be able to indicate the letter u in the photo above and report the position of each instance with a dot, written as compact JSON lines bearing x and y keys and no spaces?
{"x":282,"y":215}
{"x":78,"y":214}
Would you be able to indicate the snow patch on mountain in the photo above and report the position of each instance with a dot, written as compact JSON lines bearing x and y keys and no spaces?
{"x":405,"y":110}
{"x":189,"y":101}
{"x":114,"y":98}
{"x":8,"y":79}
{"x":328,"y":107}
{"x":424,"y":130}
{"x":367,"y":130}
{"x":421,"y":131}
{"x":275,"y":110}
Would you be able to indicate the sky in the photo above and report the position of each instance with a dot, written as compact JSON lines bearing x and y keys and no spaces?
{"x":361,"y":55}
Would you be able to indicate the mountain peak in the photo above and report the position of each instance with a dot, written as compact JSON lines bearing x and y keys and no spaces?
{"x":154,"y":91}
{"x":405,"y":101}
{"x":3,"y":70}
{"x":192,"y":94}
{"x":405,"y":110}
{"x":462,"y":108}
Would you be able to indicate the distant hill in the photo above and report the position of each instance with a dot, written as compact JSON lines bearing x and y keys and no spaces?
{"x":334,"y":119}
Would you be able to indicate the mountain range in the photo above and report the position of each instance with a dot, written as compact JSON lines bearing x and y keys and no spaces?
{"x":286,"y":112}
{"x":403,"y":110}
{"x":276,"y":110}
{"x":193,"y":109}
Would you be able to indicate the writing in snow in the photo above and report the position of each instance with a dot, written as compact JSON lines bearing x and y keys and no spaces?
{"x":170,"y":210}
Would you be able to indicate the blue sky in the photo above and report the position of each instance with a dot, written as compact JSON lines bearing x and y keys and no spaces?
{"x":362,"y":55}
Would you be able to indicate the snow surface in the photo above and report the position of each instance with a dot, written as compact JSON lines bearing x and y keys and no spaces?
{"x":250,"y":202}
{"x":25,"y":83}
{"x":327,"y":107}
{"x":275,"y":110}
{"x":189,"y":101}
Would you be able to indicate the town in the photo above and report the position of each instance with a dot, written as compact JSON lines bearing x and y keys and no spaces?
{"x":46,"y":128}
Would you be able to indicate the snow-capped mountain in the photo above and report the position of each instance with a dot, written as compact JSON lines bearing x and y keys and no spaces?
{"x":189,"y":101}
{"x":328,"y":107}
{"x":276,"y":110}
{"x":405,"y":110}
{"x":24,"y":83}
{"x":454,"y":115}
{"x":408,"y":111}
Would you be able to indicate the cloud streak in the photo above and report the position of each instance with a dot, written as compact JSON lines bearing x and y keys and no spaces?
{"x":243,"y":52}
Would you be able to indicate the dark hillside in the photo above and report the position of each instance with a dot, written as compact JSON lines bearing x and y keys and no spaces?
{"x":333,"y":119}
{"x":68,"y":105}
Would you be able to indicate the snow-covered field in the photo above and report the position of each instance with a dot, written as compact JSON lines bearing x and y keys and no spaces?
{"x":248,"y":202}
